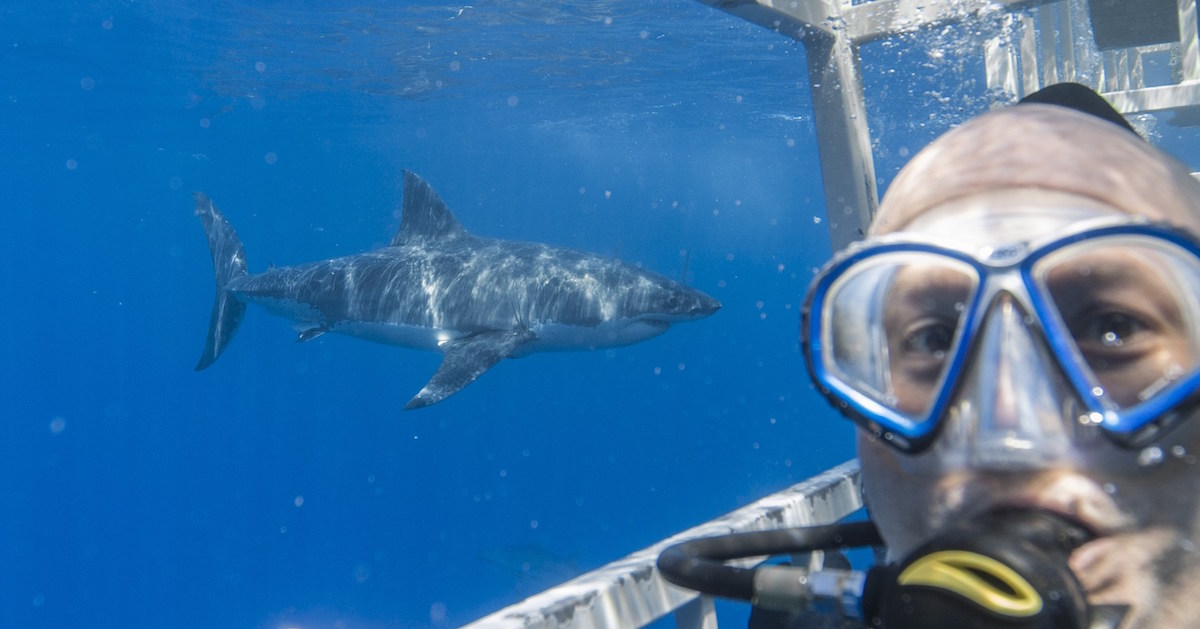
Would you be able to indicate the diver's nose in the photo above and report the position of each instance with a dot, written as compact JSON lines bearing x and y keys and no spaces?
{"x":1014,"y":408}
{"x":1003,"y":392}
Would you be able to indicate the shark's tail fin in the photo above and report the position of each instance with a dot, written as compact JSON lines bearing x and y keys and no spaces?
{"x":229,"y":261}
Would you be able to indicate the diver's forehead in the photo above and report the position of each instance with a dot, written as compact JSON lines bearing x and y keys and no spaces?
{"x":1007,"y":217}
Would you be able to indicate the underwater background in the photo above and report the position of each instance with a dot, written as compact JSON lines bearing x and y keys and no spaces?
{"x":284,"y":486}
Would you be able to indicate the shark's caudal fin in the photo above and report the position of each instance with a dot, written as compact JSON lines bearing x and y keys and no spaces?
{"x":229,"y":262}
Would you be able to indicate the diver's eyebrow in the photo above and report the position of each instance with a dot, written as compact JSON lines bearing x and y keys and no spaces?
{"x":940,"y":284}
{"x":1102,"y":273}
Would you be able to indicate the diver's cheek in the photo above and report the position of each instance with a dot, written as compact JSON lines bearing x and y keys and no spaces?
{"x":902,"y":505}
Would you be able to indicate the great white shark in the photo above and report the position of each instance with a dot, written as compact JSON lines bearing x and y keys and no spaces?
{"x":438,"y":287}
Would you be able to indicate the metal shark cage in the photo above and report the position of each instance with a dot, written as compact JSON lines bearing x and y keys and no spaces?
{"x":1118,"y":47}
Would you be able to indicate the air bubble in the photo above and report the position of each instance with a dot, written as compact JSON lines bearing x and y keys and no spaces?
{"x":1150,"y":456}
{"x":437,"y":613}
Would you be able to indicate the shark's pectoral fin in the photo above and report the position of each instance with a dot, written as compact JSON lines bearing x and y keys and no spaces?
{"x":310,"y":331}
{"x":464,"y":360}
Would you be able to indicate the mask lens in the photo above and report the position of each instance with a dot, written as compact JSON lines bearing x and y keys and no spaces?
{"x":891,"y":325}
{"x":1129,"y":305}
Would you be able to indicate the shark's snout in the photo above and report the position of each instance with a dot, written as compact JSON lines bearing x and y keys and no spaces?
{"x":705,"y":306}
{"x":689,"y":305}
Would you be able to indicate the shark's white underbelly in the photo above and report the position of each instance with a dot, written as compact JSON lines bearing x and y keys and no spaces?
{"x":549,"y":336}
{"x":562,"y":337}
{"x":389,"y":333}
{"x":416,"y":337}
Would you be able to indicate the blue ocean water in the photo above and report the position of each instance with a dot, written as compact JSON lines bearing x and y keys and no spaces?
{"x":284,"y":486}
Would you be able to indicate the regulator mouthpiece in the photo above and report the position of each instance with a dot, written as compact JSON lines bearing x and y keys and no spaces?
{"x":1006,"y":569}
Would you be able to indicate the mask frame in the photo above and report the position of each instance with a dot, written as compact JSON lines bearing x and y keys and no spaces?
{"x":1004,"y":268}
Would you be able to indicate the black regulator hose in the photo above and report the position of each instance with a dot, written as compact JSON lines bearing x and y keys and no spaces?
{"x":698,"y":564}
{"x":1005,"y":569}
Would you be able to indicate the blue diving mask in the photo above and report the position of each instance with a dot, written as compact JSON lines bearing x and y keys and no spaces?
{"x":1028,"y":345}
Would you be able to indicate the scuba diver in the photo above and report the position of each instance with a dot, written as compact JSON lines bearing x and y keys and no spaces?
{"x":1018,"y":341}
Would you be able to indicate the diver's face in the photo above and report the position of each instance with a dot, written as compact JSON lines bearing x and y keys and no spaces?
{"x":1142,"y":504}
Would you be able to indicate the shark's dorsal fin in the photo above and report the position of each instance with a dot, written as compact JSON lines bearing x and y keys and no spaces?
{"x":424,"y":214}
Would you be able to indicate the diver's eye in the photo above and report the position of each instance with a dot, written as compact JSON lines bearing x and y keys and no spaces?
{"x":1107,"y":332}
{"x":929,"y":338}
{"x":923,"y":349}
